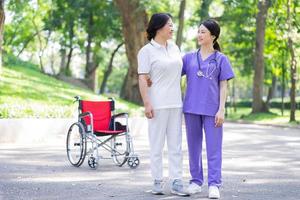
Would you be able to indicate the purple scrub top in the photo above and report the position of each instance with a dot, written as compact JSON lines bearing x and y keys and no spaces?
{"x":202,"y":95}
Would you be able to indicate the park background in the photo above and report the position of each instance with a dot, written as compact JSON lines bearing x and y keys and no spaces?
{"x":53,"y":50}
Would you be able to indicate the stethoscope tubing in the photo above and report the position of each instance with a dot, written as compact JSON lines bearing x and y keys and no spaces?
{"x":212,"y":60}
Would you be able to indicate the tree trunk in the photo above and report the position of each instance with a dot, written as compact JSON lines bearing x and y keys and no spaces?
{"x":271,"y":90}
{"x":41,"y":48}
{"x":293,"y":64}
{"x":91,"y":78}
{"x":63,"y":55}
{"x":2,"y":18}
{"x":92,"y":75}
{"x":134,"y":22}
{"x":258,"y":104}
{"x":89,"y":62}
{"x":67,"y":71}
{"x":109,"y":69}
{"x":181,"y":23}
{"x":283,"y":69}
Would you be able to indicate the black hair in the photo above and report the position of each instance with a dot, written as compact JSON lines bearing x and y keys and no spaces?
{"x":214,"y":29}
{"x":157,"y":21}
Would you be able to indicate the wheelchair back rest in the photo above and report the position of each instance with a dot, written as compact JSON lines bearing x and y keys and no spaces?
{"x":101,"y":111}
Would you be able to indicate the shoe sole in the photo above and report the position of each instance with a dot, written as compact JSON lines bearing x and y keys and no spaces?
{"x":157,"y":193}
{"x":199,"y":191}
{"x":180,"y":194}
{"x":214,"y":197}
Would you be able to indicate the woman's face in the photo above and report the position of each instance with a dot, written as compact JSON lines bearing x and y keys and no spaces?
{"x":204,"y":36}
{"x":167,"y":30}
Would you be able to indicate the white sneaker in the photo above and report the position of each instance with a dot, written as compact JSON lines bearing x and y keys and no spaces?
{"x":193,"y":188}
{"x":177,"y":188}
{"x":213,"y":192}
{"x":157,"y":187}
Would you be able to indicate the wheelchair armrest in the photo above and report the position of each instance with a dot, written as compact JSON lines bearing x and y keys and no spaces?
{"x":82,"y":115}
{"x":115,"y":124}
{"x":120,"y":115}
{"x":86,"y":114}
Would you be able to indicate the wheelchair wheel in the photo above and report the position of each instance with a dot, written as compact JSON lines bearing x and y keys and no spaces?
{"x":133,"y":162}
{"x":76,"y":144}
{"x":119,"y":150}
{"x":93,"y":163}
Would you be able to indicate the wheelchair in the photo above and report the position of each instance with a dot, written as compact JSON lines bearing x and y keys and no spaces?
{"x":98,"y":127}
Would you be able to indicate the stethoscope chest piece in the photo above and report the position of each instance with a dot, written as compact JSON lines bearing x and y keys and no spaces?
{"x":212,"y":66}
{"x":200,"y":73}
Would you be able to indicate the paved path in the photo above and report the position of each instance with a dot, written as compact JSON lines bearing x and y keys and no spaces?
{"x":260,"y":162}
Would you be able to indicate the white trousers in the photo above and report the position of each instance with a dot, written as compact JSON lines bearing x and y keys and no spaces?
{"x":166,"y":123}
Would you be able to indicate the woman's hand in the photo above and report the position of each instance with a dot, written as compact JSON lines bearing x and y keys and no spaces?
{"x":149,"y":111}
{"x":219,"y":118}
{"x":149,"y":82}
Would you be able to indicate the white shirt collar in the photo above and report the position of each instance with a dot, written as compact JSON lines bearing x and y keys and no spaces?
{"x":157,"y":45}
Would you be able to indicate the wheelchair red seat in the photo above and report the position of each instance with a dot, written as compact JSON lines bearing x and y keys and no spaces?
{"x":97,"y":119}
{"x":102,"y":119}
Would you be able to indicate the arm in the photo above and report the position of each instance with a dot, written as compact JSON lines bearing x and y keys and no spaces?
{"x":144,"y":93}
{"x":219,"y":118}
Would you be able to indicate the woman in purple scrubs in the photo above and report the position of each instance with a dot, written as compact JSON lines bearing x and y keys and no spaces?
{"x":207,"y":71}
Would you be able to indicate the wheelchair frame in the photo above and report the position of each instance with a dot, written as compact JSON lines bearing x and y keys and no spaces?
{"x":86,"y":133}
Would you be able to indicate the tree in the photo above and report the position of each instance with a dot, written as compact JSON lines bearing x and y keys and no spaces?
{"x":134,"y":21}
{"x":99,"y":29}
{"x":181,"y":22}
{"x":39,"y":27}
{"x":293,"y":69}
{"x":109,"y":68}
{"x":64,"y":21}
{"x":25,"y":31}
{"x":2,"y":18}
{"x":19,"y":33}
{"x":258,"y":105}
{"x":204,"y":10}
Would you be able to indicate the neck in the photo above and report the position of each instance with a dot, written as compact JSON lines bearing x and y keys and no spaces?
{"x":207,"y":49}
{"x":160,"y":40}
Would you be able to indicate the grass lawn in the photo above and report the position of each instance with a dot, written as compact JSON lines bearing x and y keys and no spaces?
{"x":273,"y":117}
{"x":26,"y":93}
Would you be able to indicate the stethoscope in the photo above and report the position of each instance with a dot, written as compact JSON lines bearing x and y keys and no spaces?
{"x":212,"y":66}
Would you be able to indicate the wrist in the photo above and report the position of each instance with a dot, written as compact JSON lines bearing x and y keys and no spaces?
{"x":147,"y":104}
{"x":222,"y":109}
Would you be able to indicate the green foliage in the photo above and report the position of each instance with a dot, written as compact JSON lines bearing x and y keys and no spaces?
{"x":238,"y":33}
{"x":10,"y":60}
{"x":64,"y":18}
{"x":25,"y":92}
{"x":153,"y":6}
{"x":20,"y":29}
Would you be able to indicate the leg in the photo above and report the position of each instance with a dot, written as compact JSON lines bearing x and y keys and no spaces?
{"x":174,"y":141}
{"x":157,"y":130}
{"x":194,"y":134}
{"x":214,"y":136}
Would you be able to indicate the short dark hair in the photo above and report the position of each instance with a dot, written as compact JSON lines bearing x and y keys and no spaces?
{"x":214,"y":29}
{"x":157,"y":21}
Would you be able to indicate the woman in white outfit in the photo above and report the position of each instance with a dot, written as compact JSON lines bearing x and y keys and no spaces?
{"x":160,"y":60}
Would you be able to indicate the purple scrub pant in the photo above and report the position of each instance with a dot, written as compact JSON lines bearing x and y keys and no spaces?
{"x":195,"y":124}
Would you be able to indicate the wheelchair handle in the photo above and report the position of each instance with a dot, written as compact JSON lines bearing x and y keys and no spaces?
{"x":77,"y":98}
